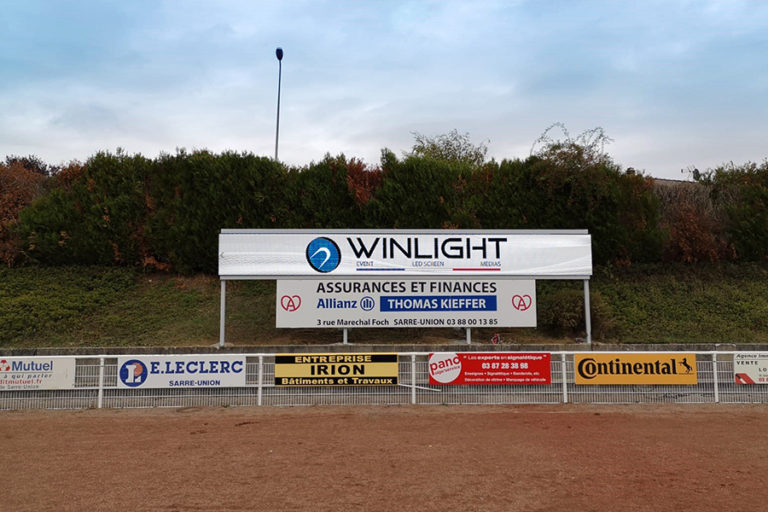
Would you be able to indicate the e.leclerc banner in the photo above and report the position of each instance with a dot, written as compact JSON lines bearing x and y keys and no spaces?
{"x":405,"y":303}
{"x":187,"y":371}
{"x":365,"y":254}
{"x":489,"y":368}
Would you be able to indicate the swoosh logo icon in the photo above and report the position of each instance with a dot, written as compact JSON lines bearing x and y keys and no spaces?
{"x":326,"y":252}
{"x":323,"y":254}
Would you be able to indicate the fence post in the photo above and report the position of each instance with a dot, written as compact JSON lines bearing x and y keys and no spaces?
{"x":413,"y":379}
{"x":714,"y":372}
{"x":260,"y":378}
{"x":564,"y":377}
{"x":101,"y":382}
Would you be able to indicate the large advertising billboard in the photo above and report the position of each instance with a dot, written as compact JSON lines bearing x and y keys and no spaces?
{"x":188,"y":371}
{"x":439,"y":253}
{"x":489,"y":368}
{"x":32,"y":373}
{"x":635,"y":368}
{"x":405,"y":303}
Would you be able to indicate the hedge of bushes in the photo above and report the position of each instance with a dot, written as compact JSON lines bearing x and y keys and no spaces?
{"x":166,"y":212}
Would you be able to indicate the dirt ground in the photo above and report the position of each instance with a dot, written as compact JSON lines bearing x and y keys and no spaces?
{"x":510,"y":458}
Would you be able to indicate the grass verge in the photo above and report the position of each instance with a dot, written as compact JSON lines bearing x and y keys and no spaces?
{"x":120,"y":307}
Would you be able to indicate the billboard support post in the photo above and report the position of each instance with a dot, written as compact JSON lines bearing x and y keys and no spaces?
{"x":261,"y":378}
{"x":223,"y":314}
{"x":469,"y":336}
{"x":345,"y":337}
{"x":587,"y":315}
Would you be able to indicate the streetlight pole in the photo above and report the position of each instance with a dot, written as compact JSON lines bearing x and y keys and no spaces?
{"x":279,"y":54}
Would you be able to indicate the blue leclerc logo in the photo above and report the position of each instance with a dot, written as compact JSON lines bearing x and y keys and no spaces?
{"x":323,"y":254}
{"x":133,"y":373}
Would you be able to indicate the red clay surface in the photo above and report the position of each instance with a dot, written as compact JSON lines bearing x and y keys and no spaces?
{"x":510,"y":458}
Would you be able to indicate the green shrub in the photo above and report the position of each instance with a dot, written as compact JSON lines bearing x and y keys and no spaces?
{"x":96,"y":218}
{"x":694,"y":229}
{"x":193,"y":196}
{"x":19,"y":186}
{"x":742,"y":192}
{"x":421,"y":192}
{"x":320,"y":196}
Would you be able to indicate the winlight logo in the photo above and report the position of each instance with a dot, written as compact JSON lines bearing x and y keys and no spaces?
{"x":323,"y":254}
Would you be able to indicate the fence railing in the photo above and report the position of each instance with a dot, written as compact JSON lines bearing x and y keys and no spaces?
{"x":96,"y":386}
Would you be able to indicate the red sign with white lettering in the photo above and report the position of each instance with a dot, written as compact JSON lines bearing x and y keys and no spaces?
{"x":489,"y":368}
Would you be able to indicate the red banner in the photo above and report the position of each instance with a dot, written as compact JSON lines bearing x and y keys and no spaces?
{"x":489,"y":368}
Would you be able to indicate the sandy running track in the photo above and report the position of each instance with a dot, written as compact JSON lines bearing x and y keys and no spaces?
{"x":425,"y":458}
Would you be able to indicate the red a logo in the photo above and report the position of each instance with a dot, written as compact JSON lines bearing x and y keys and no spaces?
{"x":290,"y":303}
{"x":522,"y":302}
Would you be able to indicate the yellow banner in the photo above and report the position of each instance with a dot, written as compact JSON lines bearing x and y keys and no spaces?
{"x":365,"y":369}
{"x":638,"y":369}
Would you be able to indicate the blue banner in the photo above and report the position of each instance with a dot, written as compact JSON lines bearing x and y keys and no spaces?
{"x":438,"y":303}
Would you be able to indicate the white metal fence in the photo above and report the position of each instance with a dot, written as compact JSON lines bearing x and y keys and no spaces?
{"x":96,"y":386}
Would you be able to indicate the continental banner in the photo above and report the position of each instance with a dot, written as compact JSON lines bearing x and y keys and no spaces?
{"x":637,"y":369}
{"x":364,"y":369}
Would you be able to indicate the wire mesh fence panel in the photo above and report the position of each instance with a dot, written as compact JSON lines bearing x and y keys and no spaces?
{"x":329,"y":395}
{"x":49,"y":399}
{"x":702,"y":392}
{"x":351,"y":395}
{"x":181,"y":397}
{"x":731,"y":391}
{"x":96,"y":382}
{"x":87,"y":371}
{"x":433,"y":394}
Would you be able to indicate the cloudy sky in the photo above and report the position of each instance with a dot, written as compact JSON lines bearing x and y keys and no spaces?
{"x":674,"y":83}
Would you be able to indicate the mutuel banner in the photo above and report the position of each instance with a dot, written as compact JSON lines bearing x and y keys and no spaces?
{"x":405,"y":303}
{"x":750,"y":368}
{"x":188,"y":371}
{"x":637,"y":369}
{"x":362,"y":369}
{"x":29,"y":373}
{"x":365,"y":254}
{"x":489,"y":368}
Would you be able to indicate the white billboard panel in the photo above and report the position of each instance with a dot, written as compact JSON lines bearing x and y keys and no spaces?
{"x":750,"y":368}
{"x":405,"y":303}
{"x":24,"y":373}
{"x":187,"y":371}
{"x":441,"y":253}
